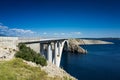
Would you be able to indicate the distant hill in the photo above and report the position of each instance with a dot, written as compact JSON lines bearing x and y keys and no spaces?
{"x":109,"y":38}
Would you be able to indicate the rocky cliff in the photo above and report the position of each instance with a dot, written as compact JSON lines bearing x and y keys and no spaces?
{"x":75,"y":48}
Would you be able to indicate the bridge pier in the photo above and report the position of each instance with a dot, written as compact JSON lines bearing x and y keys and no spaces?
{"x":53,"y":56}
{"x":60,"y":50}
{"x":55,"y":52}
{"x":42,"y":52}
{"x":49,"y":52}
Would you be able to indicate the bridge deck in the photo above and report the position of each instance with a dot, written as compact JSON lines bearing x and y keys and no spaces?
{"x":40,"y":40}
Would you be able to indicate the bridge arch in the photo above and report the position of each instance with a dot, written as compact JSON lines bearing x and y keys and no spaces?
{"x":54,"y":50}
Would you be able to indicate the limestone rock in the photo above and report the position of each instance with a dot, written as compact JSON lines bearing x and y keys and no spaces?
{"x":75,"y":48}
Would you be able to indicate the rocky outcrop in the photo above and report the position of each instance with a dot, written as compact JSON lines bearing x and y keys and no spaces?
{"x":75,"y":48}
{"x":7,"y":47}
{"x":6,"y":53}
{"x":53,"y":71}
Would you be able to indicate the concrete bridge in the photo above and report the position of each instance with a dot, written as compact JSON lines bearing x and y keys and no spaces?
{"x":51,"y":49}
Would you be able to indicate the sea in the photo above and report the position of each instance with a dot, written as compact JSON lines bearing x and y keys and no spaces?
{"x":102,"y":62}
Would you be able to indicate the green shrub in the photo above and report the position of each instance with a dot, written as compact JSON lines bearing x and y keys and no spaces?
{"x":28,"y":54}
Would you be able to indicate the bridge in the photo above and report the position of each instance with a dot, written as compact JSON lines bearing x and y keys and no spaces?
{"x":51,"y":49}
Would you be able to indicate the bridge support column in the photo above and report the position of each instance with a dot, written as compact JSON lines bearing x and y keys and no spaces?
{"x":58,"y":52}
{"x":49,"y":52}
{"x":42,"y":49}
{"x":55,"y":52}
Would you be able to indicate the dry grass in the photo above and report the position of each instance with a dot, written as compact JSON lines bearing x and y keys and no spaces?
{"x":16,"y":69}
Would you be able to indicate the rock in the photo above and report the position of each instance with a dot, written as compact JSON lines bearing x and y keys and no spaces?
{"x":6,"y":53}
{"x":53,"y":71}
{"x":74,"y":47}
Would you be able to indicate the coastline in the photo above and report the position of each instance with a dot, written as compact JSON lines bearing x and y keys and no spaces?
{"x":89,"y":42}
{"x":75,"y":44}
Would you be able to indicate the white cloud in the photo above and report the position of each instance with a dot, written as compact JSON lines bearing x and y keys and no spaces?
{"x":55,"y":34}
{"x":78,"y":33}
{"x":3,"y":27}
{"x":22,"y":31}
{"x":75,"y":33}
{"x":69,"y":34}
{"x":45,"y":33}
{"x":14,"y":31}
{"x":62,"y":33}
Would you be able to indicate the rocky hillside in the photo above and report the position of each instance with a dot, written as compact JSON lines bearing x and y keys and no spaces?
{"x":6,"y":53}
{"x":7,"y":47}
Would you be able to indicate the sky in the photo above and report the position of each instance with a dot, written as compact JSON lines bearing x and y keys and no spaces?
{"x":60,"y":18}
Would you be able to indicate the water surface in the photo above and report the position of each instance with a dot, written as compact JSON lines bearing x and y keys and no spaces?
{"x":101,"y":63}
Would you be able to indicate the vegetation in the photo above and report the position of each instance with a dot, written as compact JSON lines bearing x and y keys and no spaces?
{"x":28,"y":54}
{"x":16,"y":69}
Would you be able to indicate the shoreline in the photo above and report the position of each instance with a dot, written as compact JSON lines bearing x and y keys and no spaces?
{"x":75,"y":44}
{"x":91,"y":41}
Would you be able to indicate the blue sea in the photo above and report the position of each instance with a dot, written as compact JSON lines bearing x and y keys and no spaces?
{"x":101,"y":63}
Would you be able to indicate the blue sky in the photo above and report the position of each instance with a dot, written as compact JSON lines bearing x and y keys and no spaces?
{"x":60,"y":18}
